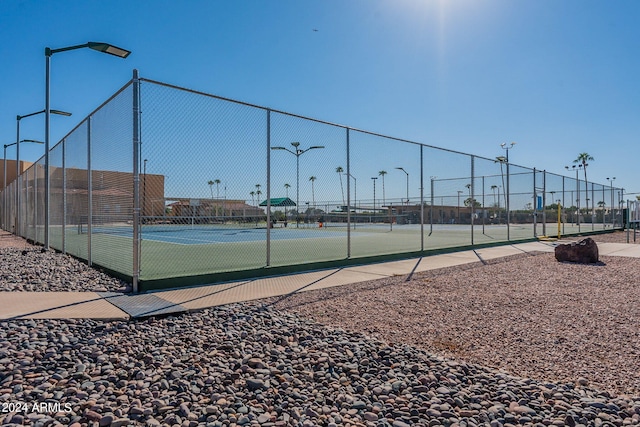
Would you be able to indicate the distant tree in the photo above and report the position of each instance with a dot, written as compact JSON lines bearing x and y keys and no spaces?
{"x":286,"y":188}
{"x":258,"y":192}
{"x":253,"y":200}
{"x":582,"y":159}
{"x":210,"y":183}
{"x":469,"y":202}
{"x":217,"y":182}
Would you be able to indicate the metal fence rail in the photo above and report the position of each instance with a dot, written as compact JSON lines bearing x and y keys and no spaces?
{"x":166,"y":186}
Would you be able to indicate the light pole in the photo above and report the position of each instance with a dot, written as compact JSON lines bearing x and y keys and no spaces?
{"x":355,"y":189}
{"x":4,"y":185}
{"x":18,"y":118}
{"x":297,"y":151}
{"x":407,"y":173}
{"x":459,"y":192}
{"x":355,"y":196}
{"x":374,"y":178}
{"x":17,"y":144}
{"x":506,"y":147}
{"x":613,"y":218}
{"x":577,"y":192}
{"x":48,"y":52}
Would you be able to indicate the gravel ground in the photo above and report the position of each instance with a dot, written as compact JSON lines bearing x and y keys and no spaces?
{"x":527,"y":315}
{"x":249,"y":365}
{"x":26,"y":267}
{"x":387,"y":353}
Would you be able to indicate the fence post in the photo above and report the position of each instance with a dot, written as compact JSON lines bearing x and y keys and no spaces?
{"x":432,"y":201}
{"x":421,"y":198}
{"x":349,"y":198}
{"x":89,"y":192}
{"x":64,"y":196}
{"x":35,"y":203}
{"x":269,"y":188}
{"x":544,"y":202}
{"x":136,"y":182}
{"x":535,"y":205}
{"x":473,"y":197}
{"x":484,"y":206}
{"x":507,"y":202}
{"x":562,"y":209}
{"x":593,"y":208}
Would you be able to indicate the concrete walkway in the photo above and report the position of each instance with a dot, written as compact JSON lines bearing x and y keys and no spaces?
{"x":110,"y":305}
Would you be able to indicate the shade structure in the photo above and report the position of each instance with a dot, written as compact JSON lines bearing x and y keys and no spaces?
{"x":279,"y":202}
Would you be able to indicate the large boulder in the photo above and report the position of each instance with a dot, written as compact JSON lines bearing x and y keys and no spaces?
{"x":585,"y":252}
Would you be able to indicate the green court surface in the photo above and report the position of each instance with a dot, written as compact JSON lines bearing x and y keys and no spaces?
{"x":196,"y":257}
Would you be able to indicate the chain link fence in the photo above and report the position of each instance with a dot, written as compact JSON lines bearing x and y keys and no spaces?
{"x":166,"y":186}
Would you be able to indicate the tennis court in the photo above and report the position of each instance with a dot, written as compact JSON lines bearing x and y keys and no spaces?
{"x":209,"y":234}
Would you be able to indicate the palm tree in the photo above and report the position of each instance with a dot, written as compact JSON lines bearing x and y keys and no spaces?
{"x":210,"y":184}
{"x":258,"y":192}
{"x":339,"y":170}
{"x":253,"y":200}
{"x":286,"y":187}
{"x":382,"y":173}
{"x":582,"y":159}
{"x":313,"y":194}
{"x":217,"y":182}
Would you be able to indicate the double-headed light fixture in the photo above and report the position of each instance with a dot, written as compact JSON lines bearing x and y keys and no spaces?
{"x":48,"y":52}
{"x":298,"y":152}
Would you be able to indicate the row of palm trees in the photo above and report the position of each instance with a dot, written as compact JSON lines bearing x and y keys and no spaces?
{"x":582,"y":159}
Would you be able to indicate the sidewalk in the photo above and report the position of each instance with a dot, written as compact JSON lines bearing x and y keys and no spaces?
{"x":111,"y":305}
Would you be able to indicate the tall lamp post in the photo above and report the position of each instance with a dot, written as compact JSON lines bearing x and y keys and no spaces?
{"x":459,"y":192}
{"x":297,"y":151}
{"x":374,"y":178}
{"x":18,"y":118}
{"x":613,"y":218}
{"x":4,"y":182}
{"x":407,"y":173}
{"x":355,"y":196}
{"x":506,"y":147}
{"x":48,"y":52}
{"x":577,"y":192}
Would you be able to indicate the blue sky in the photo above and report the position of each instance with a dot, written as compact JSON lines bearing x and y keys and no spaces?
{"x":557,"y":77}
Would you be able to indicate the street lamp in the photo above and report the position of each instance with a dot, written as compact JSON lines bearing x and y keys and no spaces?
{"x":297,"y":151}
{"x":374,"y":178}
{"x":4,"y":182}
{"x":407,"y":173}
{"x":355,"y":189}
{"x":613,"y":218}
{"x":577,"y":192}
{"x":18,"y":118}
{"x":506,"y":147}
{"x":48,"y":52}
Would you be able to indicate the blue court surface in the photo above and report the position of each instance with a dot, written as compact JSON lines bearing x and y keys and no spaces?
{"x":205,"y":235}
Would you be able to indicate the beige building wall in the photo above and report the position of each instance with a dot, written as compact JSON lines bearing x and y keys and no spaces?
{"x":11,"y":170}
